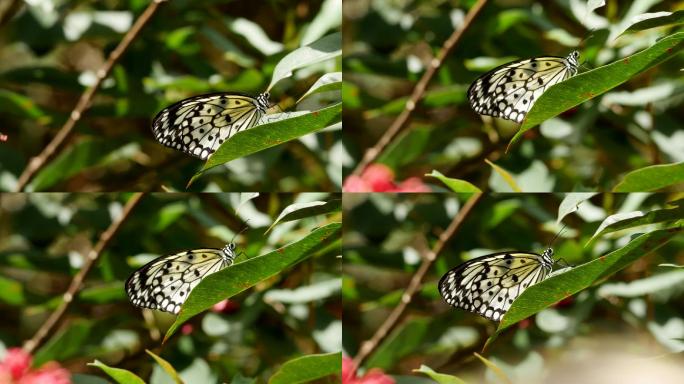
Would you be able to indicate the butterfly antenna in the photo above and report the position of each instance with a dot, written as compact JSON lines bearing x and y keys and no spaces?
{"x":242,"y":230}
{"x":557,"y":234}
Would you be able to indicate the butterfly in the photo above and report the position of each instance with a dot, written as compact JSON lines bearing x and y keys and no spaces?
{"x":200,"y":124}
{"x":509,"y":91}
{"x":489,"y":284}
{"x":165,"y":283}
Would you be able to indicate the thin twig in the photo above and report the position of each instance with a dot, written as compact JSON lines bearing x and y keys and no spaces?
{"x":50,"y":150}
{"x":418,"y":92}
{"x":369,"y":345}
{"x":77,"y":281}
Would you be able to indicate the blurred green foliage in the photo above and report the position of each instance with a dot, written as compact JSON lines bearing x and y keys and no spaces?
{"x":50,"y":51}
{"x":388,"y":45}
{"x":628,"y":299}
{"x":294,"y":312}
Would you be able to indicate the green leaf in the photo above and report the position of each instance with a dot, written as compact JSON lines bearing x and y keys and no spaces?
{"x":271,"y":134}
{"x":328,"y":82}
{"x":571,"y":203}
{"x":671,"y":265}
{"x":65,"y":343}
{"x":298,"y":211}
{"x":652,"y":178}
{"x":121,"y":376}
{"x":440,"y":378}
{"x":495,"y":368}
{"x":11,"y":291}
{"x":325,"y":48}
{"x":656,"y":20}
{"x":404,"y":340}
{"x":505,"y":175}
{"x":103,"y":293}
{"x":558,"y":287}
{"x":86,"y":154}
{"x":455,"y":185}
{"x":168,"y":368}
{"x":652,"y":285}
{"x":241,"y":276}
{"x":307,"y":368}
{"x":15,"y":104}
{"x":588,"y":85}
{"x":633,"y":219}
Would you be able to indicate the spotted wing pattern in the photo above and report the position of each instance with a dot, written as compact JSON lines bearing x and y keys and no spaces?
{"x":200,"y":124}
{"x":488,"y":285}
{"x":165,"y":283}
{"x":509,"y":91}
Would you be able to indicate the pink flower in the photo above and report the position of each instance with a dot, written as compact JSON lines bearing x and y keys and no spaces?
{"x":187,"y":329}
{"x":15,"y":368}
{"x":374,"y":376}
{"x":380,"y":178}
{"x":50,"y":373}
{"x":226,"y":306}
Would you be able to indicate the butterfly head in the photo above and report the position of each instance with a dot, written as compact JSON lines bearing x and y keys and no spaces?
{"x":571,"y":61}
{"x":262,"y":102}
{"x":547,"y":258}
{"x":229,"y":251}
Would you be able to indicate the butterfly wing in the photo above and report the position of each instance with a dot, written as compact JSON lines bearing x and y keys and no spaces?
{"x":488,"y":285}
{"x":165,"y":283}
{"x":200,"y":124}
{"x":509,"y":91}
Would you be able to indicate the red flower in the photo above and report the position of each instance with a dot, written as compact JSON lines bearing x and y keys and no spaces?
{"x":380,"y":178}
{"x":374,"y":376}
{"x":15,"y":368}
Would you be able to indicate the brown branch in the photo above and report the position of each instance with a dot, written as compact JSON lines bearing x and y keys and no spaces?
{"x":369,"y":345}
{"x":50,"y":150}
{"x":77,"y":281}
{"x":418,"y":92}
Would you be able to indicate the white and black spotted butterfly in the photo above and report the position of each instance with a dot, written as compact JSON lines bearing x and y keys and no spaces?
{"x":488,"y":285}
{"x":509,"y":91}
{"x":200,"y":124}
{"x":165,"y":283}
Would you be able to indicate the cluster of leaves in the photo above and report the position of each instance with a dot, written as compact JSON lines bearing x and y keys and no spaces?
{"x":282,"y":320}
{"x":626,"y":253}
{"x":615,"y":126}
{"x":50,"y":56}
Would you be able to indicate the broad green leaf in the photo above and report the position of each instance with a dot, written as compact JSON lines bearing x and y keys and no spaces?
{"x":325,"y":48}
{"x":652,"y":178}
{"x":633,"y":219}
{"x":328,"y":82}
{"x":308,"y":368}
{"x":658,"y":19}
{"x":562,"y":285}
{"x":440,"y":378}
{"x":588,"y":85}
{"x":269,"y":135}
{"x":455,"y":185}
{"x":241,"y":276}
{"x":168,"y":368}
{"x":571,"y":203}
{"x":505,"y":175}
{"x":298,"y":211}
{"x":497,"y":371}
{"x":121,"y":376}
